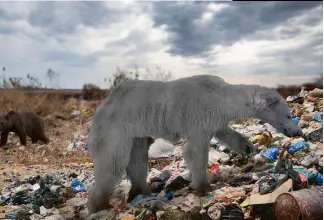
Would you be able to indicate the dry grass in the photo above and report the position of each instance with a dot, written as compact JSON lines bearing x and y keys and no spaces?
{"x":40,"y":103}
{"x":43,"y":104}
{"x":61,"y":127}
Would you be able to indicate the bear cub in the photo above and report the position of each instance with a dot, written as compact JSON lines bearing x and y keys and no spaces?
{"x":22,"y":124}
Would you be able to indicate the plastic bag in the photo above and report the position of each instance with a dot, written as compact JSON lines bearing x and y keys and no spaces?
{"x":315,"y":177}
{"x":293,"y":148}
{"x":232,"y":212}
{"x":310,"y":99}
{"x":147,"y":201}
{"x":77,"y":186}
{"x":162,"y":177}
{"x":295,"y":120}
{"x":318,"y":116}
{"x":271,"y":154}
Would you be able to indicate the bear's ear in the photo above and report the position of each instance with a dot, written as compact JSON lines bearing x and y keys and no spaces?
{"x":11,"y":112}
{"x":6,"y":116}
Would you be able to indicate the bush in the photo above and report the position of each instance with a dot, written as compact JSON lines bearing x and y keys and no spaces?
{"x":123,"y":75}
{"x":286,"y":91}
{"x":91,"y":92}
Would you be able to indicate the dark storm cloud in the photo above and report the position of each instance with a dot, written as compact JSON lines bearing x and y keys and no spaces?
{"x":5,"y":16}
{"x":57,"y":18}
{"x":240,"y":20}
{"x":136,"y":42}
{"x":64,"y":17}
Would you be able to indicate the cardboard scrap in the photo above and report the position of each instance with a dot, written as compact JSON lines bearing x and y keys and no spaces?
{"x":256,"y":199}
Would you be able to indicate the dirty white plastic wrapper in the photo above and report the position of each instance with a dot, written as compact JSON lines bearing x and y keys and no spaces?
{"x":213,"y":141}
{"x":291,"y":98}
{"x":75,"y":113}
{"x":218,"y":156}
{"x":214,"y":211}
{"x":161,"y":148}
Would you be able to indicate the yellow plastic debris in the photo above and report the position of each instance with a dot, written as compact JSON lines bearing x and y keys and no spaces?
{"x":128,"y":218}
{"x":263,"y":139}
{"x":257,"y":137}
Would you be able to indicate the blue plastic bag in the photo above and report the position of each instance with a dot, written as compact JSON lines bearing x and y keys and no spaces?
{"x":293,"y":148}
{"x":11,"y":214}
{"x":316,"y":178}
{"x":295,"y":120}
{"x":318,"y":116}
{"x":77,"y":186}
{"x":319,"y":179}
{"x":139,"y":198}
{"x":169,"y":196}
{"x":162,"y":177}
{"x":271,"y":154}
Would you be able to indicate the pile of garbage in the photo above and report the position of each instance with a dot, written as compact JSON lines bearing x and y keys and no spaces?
{"x":48,"y":196}
{"x":284,"y":174}
{"x":80,"y":141}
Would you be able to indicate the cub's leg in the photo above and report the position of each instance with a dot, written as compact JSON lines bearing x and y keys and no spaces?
{"x":110,"y":158}
{"x":137,"y":168}
{"x":195,"y":154}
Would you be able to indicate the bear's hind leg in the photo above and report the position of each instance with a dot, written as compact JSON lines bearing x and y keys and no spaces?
{"x":137,"y":168}
{"x":195,"y":154}
{"x":44,"y":139}
{"x":110,"y":161}
{"x":34,"y":140}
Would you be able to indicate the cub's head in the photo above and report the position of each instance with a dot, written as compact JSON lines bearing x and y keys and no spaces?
{"x":268,"y":105}
{"x":4,"y":123}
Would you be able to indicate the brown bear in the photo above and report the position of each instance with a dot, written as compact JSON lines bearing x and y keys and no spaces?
{"x":23,"y":124}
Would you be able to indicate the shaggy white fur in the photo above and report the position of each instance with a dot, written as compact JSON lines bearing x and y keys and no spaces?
{"x":198,"y":108}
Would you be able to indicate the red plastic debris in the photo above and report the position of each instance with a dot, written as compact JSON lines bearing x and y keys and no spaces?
{"x":215,"y":168}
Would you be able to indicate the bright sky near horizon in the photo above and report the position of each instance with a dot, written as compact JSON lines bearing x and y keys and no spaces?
{"x":265,"y":43}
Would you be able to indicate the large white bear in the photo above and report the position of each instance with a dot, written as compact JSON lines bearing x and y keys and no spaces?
{"x":198,"y":108}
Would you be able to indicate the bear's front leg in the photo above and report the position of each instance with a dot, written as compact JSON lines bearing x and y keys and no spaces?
{"x":195,"y":154}
{"x":22,"y":137}
{"x":4,"y":138}
{"x":235,"y":141}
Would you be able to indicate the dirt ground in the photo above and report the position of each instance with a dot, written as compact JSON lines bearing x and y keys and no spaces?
{"x":39,"y":158}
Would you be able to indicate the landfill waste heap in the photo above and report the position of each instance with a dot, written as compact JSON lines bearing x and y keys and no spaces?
{"x":282,"y":180}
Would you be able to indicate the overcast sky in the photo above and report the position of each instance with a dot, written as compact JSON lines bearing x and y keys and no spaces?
{"x":264,"y":43}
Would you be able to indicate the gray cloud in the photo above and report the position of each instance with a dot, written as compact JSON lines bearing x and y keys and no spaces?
{"x":238,"y":21}
{"x":39,"y":35}
{"x":72,"y":59}
{"x":137,"y":42}
{"x":64,"y":17}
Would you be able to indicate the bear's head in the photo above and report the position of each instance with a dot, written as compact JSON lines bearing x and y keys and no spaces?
{"x":269,"y":106}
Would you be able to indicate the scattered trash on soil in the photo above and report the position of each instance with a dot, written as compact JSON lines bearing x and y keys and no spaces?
{"x":283,"y":177}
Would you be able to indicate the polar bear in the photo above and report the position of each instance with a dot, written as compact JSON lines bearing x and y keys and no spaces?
{"x":198,"y":108}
